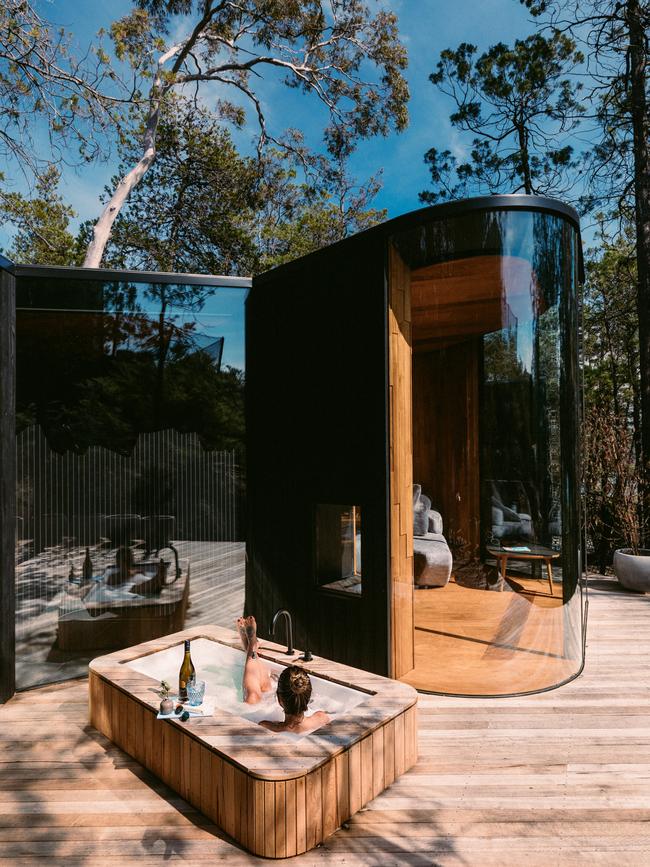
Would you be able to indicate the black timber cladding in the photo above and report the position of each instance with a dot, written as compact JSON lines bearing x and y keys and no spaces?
{"x":316,"y":393}
{"x":7,"y":479}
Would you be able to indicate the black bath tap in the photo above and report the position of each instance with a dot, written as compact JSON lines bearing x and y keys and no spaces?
{"x":287,"y":616}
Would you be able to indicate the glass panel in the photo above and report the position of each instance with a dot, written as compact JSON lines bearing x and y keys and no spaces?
{"x":495,"y":391}
{"x":130,"y":439}
{"x":338,"y":548}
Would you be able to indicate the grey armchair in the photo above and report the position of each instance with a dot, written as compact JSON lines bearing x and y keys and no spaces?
{"x":432,"y":560}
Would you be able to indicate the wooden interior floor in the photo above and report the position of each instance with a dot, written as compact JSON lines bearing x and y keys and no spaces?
{"x":559,"y":778}
{"x":480,"y":642}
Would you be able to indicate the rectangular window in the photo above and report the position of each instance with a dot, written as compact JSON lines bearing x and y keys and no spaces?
{"x":338,"y":547}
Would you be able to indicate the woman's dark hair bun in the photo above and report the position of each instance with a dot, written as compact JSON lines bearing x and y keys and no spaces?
{"x":298,"y":681}
{"x":294,"y":690}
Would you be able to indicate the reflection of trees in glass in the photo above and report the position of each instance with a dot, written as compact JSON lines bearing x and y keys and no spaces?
{"x":131,"y":398}
{"x":547,"y":376}
{"x":521,"y":433}
{"x":109,"y":376}
{"x":502,"y":363}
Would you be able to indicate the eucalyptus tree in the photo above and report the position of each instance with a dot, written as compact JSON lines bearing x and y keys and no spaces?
{"x":194,"y":209}
{"x":203,"y":207}
{"x":338,"y":52}
{"x":77,"y":97}
{"x":614,"y":38}
{"x":42,"y":223}
{"x":520,"y":106}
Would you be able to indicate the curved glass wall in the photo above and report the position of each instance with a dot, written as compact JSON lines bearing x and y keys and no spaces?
{"x":495,"y":421}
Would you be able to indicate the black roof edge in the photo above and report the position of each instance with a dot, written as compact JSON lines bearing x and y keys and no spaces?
{"x":7,"y":264}
{"x":501,"y":202}
{"x":109,"y":274}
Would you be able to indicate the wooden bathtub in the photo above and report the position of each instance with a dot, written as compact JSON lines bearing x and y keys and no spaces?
{"x":276,"y":799}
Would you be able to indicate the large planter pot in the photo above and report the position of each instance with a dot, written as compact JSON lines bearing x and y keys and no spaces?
{"x":633,"y":570}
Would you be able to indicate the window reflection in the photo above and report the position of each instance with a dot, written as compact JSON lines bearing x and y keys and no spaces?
{"x":338,"y":547}
{"x":130,"y":435}
{"x":494,"y":441}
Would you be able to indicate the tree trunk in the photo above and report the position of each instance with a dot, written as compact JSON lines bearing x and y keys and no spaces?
{"x":164,"y":340}
{"x":640,"y":129}
{"x":525,"y":157}
{"x":103,"y":226}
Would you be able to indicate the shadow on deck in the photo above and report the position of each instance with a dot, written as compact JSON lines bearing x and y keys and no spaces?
{"x":560,"y":777}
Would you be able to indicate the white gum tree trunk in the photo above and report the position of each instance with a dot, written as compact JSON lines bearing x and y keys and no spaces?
{"x":104,"y":225}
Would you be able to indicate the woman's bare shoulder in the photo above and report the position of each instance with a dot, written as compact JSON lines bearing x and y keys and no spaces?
{"x":271,"y":725}
{"x":318,"y":719}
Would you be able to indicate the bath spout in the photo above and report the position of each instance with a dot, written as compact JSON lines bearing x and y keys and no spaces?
{"x":287,"y":617}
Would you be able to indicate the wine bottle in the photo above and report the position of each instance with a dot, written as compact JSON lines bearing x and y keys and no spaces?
{"x":187,"y":673}
{"x":87,"y":570}
{"x":161,"y":574}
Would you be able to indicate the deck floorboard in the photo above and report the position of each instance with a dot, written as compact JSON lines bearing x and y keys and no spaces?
{"x":559,"y":778}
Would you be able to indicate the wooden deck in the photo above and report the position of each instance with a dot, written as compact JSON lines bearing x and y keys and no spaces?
{"x":560,"y":778}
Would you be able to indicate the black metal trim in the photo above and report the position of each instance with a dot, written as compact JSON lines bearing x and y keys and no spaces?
{"x":457,"y":208}
{"x":7,"y":264}
{"x":59,"y":272}
{"x":7,"y":484}
{"x":510,"y":202}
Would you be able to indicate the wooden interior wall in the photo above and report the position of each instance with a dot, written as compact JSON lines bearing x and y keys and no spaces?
{"x":7,"y":483}
{"x":446,"y":436}
{"x":401,"y":465}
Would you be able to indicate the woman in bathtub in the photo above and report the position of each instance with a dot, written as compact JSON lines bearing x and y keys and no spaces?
{"x":293,"y":691}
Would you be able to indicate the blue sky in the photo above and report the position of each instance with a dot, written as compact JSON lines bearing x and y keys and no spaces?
{"x":426,"y":26}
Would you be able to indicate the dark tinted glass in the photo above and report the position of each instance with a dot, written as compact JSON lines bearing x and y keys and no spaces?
{"x":130,"y":448}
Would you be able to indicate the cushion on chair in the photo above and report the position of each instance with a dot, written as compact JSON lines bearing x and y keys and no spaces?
{"x":508,"y":514}
{"x":435,"y":522}
{"x":421,"y":507}
{"x":432,"y":560}
{"x":497,"y":515}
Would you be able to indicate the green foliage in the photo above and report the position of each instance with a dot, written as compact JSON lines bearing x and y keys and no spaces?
{"x":297,"y":219}
{"x":42,"y":234}
{"x":347,"y":58}
{"x":518,"y":104}
{"x":193,"y":210}
{"x":610,"y":345}
{"x":203,"y":208}
{"x":611,"y":441}
{"x":134,"y":40}
{"x":75,"y":97}
{"x":614,"y":37}
{"x":323,"y":49}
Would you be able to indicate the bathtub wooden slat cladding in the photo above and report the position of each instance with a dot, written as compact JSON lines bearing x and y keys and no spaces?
{"x":276,"y":798}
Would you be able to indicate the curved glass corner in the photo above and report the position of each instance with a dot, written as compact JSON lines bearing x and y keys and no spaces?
{"x":496,"y":401}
